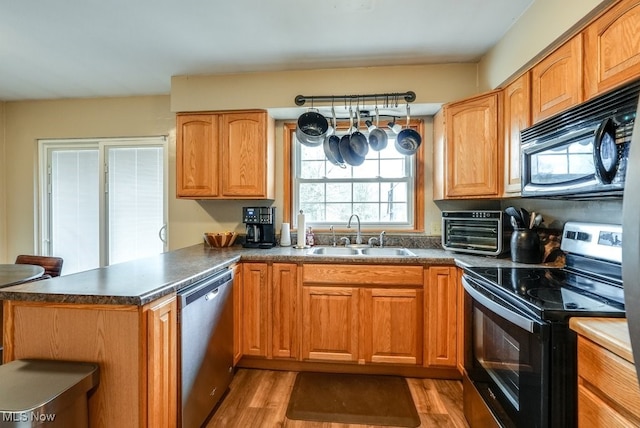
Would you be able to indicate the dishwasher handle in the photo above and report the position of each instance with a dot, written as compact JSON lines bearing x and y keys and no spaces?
{"x":207,"y":288}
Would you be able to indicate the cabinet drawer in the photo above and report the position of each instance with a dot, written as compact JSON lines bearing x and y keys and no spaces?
{"x":362,"y":274}
{"x":594,"y":412}
{"x":612,"y":375}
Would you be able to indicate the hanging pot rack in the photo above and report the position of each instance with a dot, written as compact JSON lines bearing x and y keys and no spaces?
{"x":408,"y":97}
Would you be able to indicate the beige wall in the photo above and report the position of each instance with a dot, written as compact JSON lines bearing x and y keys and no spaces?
{"x":431,"y":83}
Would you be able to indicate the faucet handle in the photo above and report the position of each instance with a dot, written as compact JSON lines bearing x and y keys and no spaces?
{"x":373,"y":240}
{"x":381,"y":238}
{"x":346,"y":240}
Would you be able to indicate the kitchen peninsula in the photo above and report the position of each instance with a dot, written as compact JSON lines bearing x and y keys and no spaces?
{"x":124,"y":317}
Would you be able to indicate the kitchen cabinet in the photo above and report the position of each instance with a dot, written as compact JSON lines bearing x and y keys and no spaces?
{"x":162,"y":345}
{"x":135,"y":347}
{"x":470,"y":150}
{"x":441,"y":295}
{"x":225,"y":155}
{"x":237,"y":313}
{"x":608,"y":390}
{"x":330,"y":323}
{"x":256,"y":314}
{"x":362,"y":313}
{"x":270,"y":310}
{"x":392,"y":325}
{"x":612,"y":48}
{"x":285,"y":311}
{"x":517,"y":116}
{"x":556,"y":81}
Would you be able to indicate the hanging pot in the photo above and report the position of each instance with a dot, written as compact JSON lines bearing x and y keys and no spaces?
{"x":407,"y":140}
{"x":347,"y":153}
{"x":377,"y":137}
{"x":312,"y":128}
{"x":332,"y":143}
{"x":358,"y":141}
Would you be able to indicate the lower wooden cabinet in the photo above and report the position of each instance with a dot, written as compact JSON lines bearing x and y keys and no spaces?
{"x":392,"y":325}
{"x":362,"y":313}
{"x":330,"y":323}
{"x":270,"y":310}
{"x":162,"y":367}
{"x":135,"y":347}
{"x":441,"y":319}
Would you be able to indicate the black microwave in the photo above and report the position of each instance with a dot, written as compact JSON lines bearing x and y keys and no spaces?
{"x":581,"y":153}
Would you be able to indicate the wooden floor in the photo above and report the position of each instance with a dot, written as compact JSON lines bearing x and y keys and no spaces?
{"x":259,"y":398}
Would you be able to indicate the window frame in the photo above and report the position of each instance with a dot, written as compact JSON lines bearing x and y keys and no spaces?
{"x":418,"y":185}
{"x":46,"y":145}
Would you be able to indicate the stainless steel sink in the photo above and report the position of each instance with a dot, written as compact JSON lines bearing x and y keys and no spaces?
{"x":369,"y":251}
{"x":384,"y":252}
{"x":334,"y":251}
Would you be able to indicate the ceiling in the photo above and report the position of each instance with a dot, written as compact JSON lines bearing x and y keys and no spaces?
{"x":89,"y":48}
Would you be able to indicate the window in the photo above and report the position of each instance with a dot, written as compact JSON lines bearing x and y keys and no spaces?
{"x":102,"y":201}
{"x":385,"y":191}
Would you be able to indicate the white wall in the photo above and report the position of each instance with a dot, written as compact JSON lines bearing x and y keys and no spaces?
{"x":3,"y":169}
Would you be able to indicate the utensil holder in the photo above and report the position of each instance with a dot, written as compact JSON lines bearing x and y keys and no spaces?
{"x":525,"y":246}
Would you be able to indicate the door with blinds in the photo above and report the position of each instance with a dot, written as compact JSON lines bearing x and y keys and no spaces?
{"x":104,"y":201}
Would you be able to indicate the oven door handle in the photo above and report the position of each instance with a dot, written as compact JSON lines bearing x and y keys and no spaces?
{"x":521,"y":321}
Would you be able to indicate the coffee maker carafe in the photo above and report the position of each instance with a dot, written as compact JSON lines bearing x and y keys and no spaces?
{"x":259,"y":222}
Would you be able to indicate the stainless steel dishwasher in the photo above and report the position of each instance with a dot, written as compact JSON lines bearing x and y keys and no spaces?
{"x":205,"y":320}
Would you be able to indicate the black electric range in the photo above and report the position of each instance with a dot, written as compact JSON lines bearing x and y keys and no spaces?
{"x":520,"y":355}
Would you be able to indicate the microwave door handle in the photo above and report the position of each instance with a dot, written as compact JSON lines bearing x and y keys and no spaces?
{"x":517,"y":319}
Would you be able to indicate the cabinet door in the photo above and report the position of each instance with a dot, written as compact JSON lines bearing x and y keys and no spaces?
{"x":162,"y":364}
{"x":255,"y":309}
{"x":473,"y":163}
{"x":330,"y":323}
{"x":392,"y":323}
{"x":285,"y":311}
{"x":197,"y":155}
{"x":244,"y":154}
{"x":556,"y":81}
{"x":237,"y":313}
{"x":517,"y":116}
{"x":612,"y":48}
{"x":441,"y":317}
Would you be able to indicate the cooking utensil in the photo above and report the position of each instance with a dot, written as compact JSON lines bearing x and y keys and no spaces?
{"x":358,"y":141}
{"x":331,"y":144}
{"x":514,"y":223}
{"x":349,"y":156}
{"x":408,"y":140}
{"x":377,"y":137}
{"x":513,"y":212}
{"x":537,"y":220}
{"x":312,"y":128}
{"x":525,"y":217}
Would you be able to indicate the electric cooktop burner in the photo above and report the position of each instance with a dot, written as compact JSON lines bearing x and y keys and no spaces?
{"x":552,"y":292}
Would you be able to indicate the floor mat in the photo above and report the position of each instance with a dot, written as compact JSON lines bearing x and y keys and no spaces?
{"x":352,"y":399}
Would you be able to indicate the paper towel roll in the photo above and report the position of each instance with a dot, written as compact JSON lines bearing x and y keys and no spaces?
{"x":302,"y":229}
{"x":285,"y":236}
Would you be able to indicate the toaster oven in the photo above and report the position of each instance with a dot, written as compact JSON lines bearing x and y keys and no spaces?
{"x":475,"y":232}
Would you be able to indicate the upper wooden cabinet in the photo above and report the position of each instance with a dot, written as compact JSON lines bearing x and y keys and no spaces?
{"x":556,"y":81}
{"x":225,"y":155}
{"x":517,"y":116}
{"x":612,"y":48}
{"x":470,"y":151}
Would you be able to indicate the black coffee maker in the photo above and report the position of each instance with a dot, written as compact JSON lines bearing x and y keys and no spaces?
{"x":260,"y":227}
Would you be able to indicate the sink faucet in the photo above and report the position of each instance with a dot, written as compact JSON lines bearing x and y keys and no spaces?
{"x":379,"y":240}
{"x":358,"y":236}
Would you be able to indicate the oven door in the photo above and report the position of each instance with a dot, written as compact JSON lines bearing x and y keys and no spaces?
{"x":507,"y":358}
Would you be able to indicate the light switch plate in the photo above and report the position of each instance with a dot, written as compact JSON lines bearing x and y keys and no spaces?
{"x":436,"y":228}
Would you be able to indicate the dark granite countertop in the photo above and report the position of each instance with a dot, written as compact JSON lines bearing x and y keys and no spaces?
{"x":141,"y":281}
